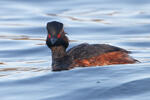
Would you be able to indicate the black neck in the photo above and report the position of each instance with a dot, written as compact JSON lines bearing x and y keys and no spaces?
{"x":60,"y":59}
{"x":58,"y":52}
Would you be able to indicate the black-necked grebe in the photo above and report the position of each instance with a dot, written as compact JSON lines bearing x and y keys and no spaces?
{"x":83,"y":55}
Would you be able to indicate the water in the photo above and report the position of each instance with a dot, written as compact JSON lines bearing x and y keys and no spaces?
{"x":25,"y":60}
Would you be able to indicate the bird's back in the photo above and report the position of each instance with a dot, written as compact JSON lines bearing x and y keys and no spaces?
{"x":98,"y":55}
{"x":85,"y":50}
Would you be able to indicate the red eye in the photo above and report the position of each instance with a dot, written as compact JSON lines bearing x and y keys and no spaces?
{"x":49,"y":36}
{"x":59,"y":35}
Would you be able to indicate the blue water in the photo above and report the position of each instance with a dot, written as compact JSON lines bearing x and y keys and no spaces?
{"x":25,"y":60}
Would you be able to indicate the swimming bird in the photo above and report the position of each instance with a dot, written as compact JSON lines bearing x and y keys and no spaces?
{"x":83,"y":55}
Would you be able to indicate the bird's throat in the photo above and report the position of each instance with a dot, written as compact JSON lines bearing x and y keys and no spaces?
{"x":60,"y":59}
{"x":58,"y":52}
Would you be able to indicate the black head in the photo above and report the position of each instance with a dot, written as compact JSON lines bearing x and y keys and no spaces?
{"x":56,"y":35}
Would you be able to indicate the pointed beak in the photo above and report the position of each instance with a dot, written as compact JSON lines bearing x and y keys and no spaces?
{"x":53,"y":40}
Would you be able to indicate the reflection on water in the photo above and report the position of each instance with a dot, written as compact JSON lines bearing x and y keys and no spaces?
{"x":9,"y":69}
{"x":77,"y":19}
{"x":21,"y":37}
{"x":19,"y":69}
{"x":1,"y":63}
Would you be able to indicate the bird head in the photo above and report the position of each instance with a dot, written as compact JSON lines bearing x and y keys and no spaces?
{"x":56,"y":35}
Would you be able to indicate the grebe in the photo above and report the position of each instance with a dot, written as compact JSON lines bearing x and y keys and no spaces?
{"x":83,"y":55}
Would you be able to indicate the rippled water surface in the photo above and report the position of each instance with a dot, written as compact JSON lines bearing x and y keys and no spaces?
{"x":25,"y":60}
